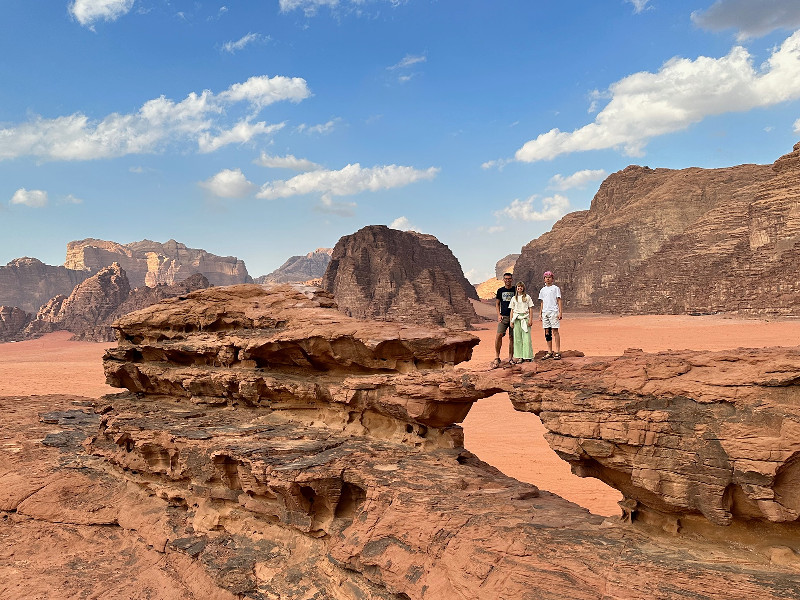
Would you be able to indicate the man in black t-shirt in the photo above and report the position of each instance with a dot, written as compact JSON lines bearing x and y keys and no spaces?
{"x":502,"y":298}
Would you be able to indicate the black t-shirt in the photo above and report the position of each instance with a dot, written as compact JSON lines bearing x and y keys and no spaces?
{"x":505,"y":295}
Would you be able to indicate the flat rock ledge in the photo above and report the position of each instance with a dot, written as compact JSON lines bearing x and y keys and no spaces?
{"x":269,"y":447}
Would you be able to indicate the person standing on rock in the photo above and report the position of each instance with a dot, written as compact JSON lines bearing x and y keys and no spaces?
{"x":521,"y":307}
{"x":502,"y":300}
{"x":550,"y":313}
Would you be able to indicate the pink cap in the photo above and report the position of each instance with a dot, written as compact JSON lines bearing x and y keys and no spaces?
{"x":548,"y":274}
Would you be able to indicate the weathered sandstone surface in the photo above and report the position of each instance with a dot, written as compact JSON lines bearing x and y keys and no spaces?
{"x":13,"y":321}
{"x":505,"y":265}
{"x":99,"y":300}
{"x":153,"y":263}
{"x":403,"y":276}
{"x":28,"y":283}
{"x":686,"y":241}
{"x":299,"y":269}
{"x":270,"y":447}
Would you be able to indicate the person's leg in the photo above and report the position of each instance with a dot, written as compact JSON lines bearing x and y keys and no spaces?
{"x":557,"y":339}
{"x":518,"y":339}
{"x":498,"y":344}
{"x":527,"y":344}
{"x":548,"y":336}
{"x":510,"y":343}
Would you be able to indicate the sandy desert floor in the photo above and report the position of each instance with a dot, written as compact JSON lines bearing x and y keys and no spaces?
{"x":509,"y":440}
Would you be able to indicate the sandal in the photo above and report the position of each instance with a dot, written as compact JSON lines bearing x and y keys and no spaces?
{"x":495,"y":363}
{"x":547,"y":355}
{"x":557,"y":356}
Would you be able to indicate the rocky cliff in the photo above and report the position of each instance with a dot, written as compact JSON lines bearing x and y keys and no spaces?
{"x":153,"y":263}
{"x":13,"y":321}
{"x":692,"y":240}
{"x":299,"y":269}
{"x":403,"y":276}
{"x":505,"y":265}
{"x":28,"y":283}
{"x":269,"y":446}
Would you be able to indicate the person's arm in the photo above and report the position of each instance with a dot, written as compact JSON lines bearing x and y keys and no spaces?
{"x":497,"y":306}
{"x":560,"y":309}
{"x":530,"y":313}
{"x":541,"y":306}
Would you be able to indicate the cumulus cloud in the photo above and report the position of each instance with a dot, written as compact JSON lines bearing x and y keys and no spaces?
{"x":579,"y":179}
{"x":639,"y":5}
{"x":348,"y":181}
{"x":286,"y":162}
{"x":233,"y":47}
{"x":32,"y":198}
{"x":197,"y":118}
{"x":750,"y":19}
{"x":240,"y":133}
{"x":645,"y":105}
{"x":403,"y":224}
{"x":553,"y":208}
{"x":228,"y":183}
{"x":86,"y":12}
{"x":797,"y":126}
{"x":407,"y":61}
{"x":321,"y":129}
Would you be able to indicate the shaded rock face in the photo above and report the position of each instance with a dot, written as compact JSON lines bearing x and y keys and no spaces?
{"x":693,"y":240}
{"x":271,"y":447}
{"x":300,"y":269}
{"x":153,"y":263}
{"x":28,"y":283}
{"x":690,"y":438}
{"x":403,"y":276}
{"x":98,"y":301}
{"x":505,"y":265}
{"x":13,"y":321}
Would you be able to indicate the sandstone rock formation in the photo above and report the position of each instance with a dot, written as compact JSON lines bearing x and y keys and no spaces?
{"x":153,"y":263}
{"x":403,"y":276}
{"x":13,"y":321}
{"x":687,"y":241}
{"x":299,"y":269}
{"x":98,"y":301}
{"x":27,"y":283}
{"x":271,"y":447}
{"x":505,"y":265}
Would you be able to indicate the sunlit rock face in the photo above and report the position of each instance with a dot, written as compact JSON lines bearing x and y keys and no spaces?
{"x":153,"y":263}
{"x":680,"y":241}
{"x":402,"y":276}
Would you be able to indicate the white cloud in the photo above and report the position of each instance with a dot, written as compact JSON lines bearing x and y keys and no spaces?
{"x":197,"y":118}
{"x":240,"y":133}
{"x":496,"y":229}
{"x":228,"y":183}
{"x":239,"y":44}
{"x":645,"y":105}
{"x":579,"y":179}
{"x":322,"y":128}
{"x":478,"y":276}
{"x":797,"y":126}
{"x":32,"y":198}
{"x":286,"y":162}
{"x":639,"y":5}
{"x":309,"y":7}
{"x":750,"y":19}
{"x":407,"y":61}
{"x":499,"y":163}
{"x":342,"y":209}
{"x":553,"y":208}
{"x":86,"y":12}
{"x":350,"y":180}
{"x":403,"y":224}
{"x":70,"y":199}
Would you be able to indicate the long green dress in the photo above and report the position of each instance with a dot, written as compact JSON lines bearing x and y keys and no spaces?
{"x":523,"y":347}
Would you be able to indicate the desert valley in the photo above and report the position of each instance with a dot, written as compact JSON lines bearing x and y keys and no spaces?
{"x":174,"y":428}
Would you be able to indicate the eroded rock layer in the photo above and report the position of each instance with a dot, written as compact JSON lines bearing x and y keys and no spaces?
{"x":403,"y":276}
{"x":680,"y":241}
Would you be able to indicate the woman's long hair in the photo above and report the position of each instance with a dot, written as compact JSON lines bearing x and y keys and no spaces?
{"x":524,"y":291}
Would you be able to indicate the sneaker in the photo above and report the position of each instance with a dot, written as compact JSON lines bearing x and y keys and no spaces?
{"x":557,"y":356}
{"x":548,"y":355}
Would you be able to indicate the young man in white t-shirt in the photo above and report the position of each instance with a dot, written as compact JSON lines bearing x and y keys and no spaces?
{"x":550,"y":313}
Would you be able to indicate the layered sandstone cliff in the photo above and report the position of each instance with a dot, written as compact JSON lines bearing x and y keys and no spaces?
{"x":403,"y":276}
{"x":299,"y":269}
{"x":13,"y":321}
{"x":28,"y":283}
{"x":153,"y":263}
{"x":271,"y":447}
{"x":693,"y":240}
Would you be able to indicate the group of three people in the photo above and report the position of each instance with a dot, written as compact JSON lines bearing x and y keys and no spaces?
{"x":515,"y":315}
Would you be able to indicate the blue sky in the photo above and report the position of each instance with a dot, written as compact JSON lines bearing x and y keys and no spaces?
{"x":267,"y":128}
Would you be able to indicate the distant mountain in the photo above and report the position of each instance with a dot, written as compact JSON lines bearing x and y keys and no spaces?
{"x":300,"y":268}
{"x":680,"y":241}
{"x":27,"y":283}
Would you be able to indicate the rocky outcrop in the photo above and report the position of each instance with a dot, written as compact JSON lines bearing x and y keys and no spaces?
{"x":153,"y":263}
{"x":13,"y":321}
{"x":270,"y":447}
{"x":98,"y":301}
{"x":687,"y":241}
{"x":402,"y":276}
{"x":300,"y":269}
{"x":28,"y":283}
{"x":505,"y":265}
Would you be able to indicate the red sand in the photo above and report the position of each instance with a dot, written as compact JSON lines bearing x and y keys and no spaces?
{"x":499,"y":435}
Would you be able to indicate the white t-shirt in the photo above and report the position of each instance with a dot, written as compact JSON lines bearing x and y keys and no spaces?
{"x":549,"y":295}
{"x":518,"y":305}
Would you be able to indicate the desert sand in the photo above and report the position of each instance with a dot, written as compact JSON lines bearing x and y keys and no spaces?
{"x":511,"y":441}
